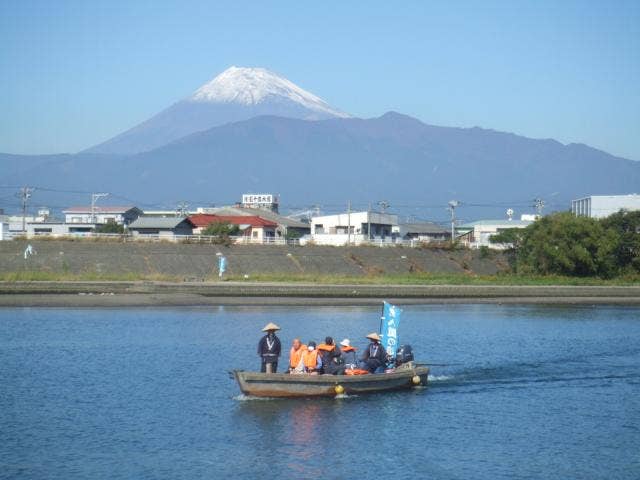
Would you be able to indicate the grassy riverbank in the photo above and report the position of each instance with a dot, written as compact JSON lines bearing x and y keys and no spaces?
{"x":324,"y":279}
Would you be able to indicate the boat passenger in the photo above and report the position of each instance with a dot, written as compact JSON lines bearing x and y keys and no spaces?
{"x":269,"y":349}
{"x":348,"y":354}
{"x":311,"y":360}
{"x":295,"y":356}
{"x":332,"y":363}
{"x":374,"y":357}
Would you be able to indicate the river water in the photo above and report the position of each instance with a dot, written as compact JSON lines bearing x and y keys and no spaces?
{"x":528,"y":392}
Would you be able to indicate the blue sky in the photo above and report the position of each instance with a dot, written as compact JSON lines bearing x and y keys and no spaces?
{"x":75,"y":73}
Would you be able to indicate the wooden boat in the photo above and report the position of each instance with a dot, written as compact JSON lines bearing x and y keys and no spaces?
{"x":285,"y":385}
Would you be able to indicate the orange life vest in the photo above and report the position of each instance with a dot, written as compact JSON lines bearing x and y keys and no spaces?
{"x":296,"y":355}
{"x":356,"y":371}
{"x":310,"y":359}
{"x":325,"y":347}
{"x":348,"y":349}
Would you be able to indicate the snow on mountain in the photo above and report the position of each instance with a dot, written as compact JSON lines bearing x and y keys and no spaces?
{"x":251,"y":86}
{"x":236,"y":94}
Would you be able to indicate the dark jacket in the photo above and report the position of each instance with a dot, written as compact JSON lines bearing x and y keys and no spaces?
{"x":269,"y":348}
{"x":331,"y":359}
{"x":349,"y":356}
{"x":375,"y":351}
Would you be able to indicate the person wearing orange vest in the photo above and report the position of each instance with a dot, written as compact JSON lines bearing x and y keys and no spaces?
{"x":332,"y":363}
{"x":349,"y":354}
{"x":311,"y":360}
{"x":295,"y":356}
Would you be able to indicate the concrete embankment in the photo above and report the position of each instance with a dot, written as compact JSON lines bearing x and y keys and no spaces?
{"x":241,"y":293}
{"x":193,"y":271}
{"x":198,"y":262}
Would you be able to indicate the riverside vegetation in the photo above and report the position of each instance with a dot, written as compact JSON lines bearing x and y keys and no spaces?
{"x":569,"y":246}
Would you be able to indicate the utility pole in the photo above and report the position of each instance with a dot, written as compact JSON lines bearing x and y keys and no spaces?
{"x":94,"y":199}
{"x":369,"y":223}
{"x":452,"y":209}
{"x":349,"y":223}
{"x":25,"y":195}
{"x":538,"y":204}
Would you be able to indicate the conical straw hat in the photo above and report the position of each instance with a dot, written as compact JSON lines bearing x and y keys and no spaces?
{"x":373,"y":336}
{"x":270,"y":326}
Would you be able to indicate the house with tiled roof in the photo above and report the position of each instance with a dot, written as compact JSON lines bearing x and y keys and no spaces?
{"x":252,"y":228}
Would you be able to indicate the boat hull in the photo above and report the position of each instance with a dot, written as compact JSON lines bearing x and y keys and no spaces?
{"x":286,"y":386}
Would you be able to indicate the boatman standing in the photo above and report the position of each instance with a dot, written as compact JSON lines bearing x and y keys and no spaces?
{"x":269,"y":349}
{"x":374,"y":356}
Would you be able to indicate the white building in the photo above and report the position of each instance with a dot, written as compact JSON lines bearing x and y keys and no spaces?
{"x":102,"y":215}
{"x":601,"y":206}
{"x":4,"y":230}
{"x":478,"y":234}
{"x":17,"y":221}
{"x":354,"y":228}
{"x":54,"y":228}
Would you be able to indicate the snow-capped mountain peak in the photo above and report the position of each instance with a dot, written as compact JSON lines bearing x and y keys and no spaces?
{"x":253,"y":86}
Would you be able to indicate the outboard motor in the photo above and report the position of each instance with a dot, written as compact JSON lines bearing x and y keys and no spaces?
{"x":404,"y":355}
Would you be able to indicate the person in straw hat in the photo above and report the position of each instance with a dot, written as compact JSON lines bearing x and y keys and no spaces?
{"x":269,"y":349}
{"x":374,"y":357}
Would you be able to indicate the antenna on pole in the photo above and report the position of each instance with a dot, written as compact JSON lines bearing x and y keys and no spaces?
{"x":538,"y":204}
{"x":183,"y":209}
{"x":383,"y":204}
{"x":94,"y":199}
{"x":24,"y":195}
{"x":510,"y":213}
{"x":453,"y":204}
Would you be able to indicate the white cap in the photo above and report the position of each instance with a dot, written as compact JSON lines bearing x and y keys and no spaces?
{"x":345,"y":343}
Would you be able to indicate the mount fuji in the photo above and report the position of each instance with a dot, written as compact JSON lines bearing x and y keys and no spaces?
{"x":236,"y":94}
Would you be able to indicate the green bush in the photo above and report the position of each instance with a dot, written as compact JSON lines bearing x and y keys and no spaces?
{"x":563,"y":244}
{"x":109,"y":228}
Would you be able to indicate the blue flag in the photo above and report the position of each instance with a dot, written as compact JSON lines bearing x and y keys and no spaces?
{"x":222,"y":265}
{"x":389,"y":328}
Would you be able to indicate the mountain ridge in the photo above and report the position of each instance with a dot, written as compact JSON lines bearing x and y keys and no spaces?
{"x":393,"y":157}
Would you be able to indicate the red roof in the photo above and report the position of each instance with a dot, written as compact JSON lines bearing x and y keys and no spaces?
{"x":204,"y":219}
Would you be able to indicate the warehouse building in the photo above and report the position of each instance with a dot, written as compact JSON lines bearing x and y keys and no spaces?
{"x":601,"y":206}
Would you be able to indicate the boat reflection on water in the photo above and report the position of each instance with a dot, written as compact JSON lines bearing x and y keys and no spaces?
{"x":295,"y":433}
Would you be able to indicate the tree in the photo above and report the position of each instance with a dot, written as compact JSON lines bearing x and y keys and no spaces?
{"x":217,"y":229}
{"x":222,"y":231}
{"x":509,"y":236}
{"x":564,"y":244}
{"x":627,"y":225}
